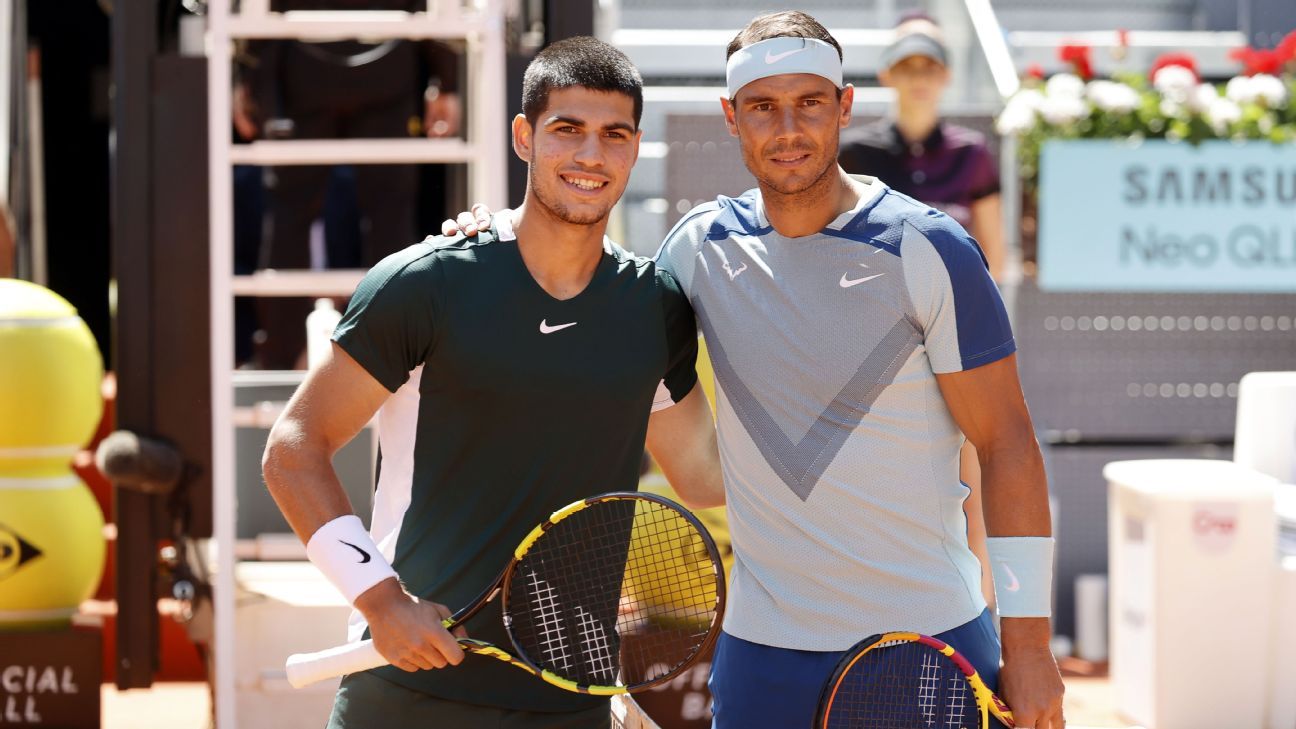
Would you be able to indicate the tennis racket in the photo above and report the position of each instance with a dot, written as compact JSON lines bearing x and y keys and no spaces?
{"x":615,"y":565}
{"x":907,"y":681}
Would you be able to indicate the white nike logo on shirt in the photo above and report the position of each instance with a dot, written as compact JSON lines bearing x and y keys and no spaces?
{"x":546,"y":329}
{"x":772,"y":58}
{"x":849,"y":282}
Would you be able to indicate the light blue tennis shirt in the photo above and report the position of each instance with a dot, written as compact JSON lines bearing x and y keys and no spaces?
{"x":840,"y":456}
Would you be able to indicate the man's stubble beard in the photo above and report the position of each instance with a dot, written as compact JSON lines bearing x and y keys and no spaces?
{"x":809,"y":187}
{"x":558,"y":209}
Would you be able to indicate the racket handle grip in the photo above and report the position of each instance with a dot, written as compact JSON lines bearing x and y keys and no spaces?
{"x":304,"y":669}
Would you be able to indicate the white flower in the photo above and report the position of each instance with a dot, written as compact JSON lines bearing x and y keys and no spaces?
{"x":1223,"y":113}
{"x":1268,"y":90}
{"x":1017,"y":118}
{"x":1032,"y":99}
{"x":1064,"y":84}
{"x":1201,"y":97}
{"x":1020,"y":114}
{"x":1172,"y":109}
{"x":1240,"y":90}
{"x":1061,"y":110}
{"x":1112,"y":96}
{"x":1174,"y":82}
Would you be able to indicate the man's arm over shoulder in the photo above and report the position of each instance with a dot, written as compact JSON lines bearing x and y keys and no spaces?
{"x":681,"y":432}
{"x":682,"y":439}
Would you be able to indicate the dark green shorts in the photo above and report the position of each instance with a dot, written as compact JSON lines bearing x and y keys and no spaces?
{"x":365,"y":701}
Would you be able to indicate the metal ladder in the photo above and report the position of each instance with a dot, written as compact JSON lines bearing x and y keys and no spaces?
{"x":481,"y":24}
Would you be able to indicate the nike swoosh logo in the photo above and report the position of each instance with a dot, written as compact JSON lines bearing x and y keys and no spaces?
{"x":772,"y":58}
{"x":546,"y":329}
{"x":364,"y":556}
{"x":1014,"y":585}
{"x":849,"y":282}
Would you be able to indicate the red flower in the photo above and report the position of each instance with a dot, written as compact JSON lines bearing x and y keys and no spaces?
{"x":1174,"y":59}
{"x":1286,"y":49}
{"x":1256,"y":61}
{"x":1035,"y":71}
{"x":1078,"y":56}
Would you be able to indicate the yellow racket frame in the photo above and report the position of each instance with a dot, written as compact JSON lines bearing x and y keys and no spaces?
{"x":486,"y":649}
{"x":987,"y":702}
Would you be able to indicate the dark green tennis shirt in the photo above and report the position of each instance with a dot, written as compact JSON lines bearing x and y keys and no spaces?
{"x":507,"y":404}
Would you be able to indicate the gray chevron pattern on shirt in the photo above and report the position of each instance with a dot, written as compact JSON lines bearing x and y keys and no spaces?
{"x":802,"y":463}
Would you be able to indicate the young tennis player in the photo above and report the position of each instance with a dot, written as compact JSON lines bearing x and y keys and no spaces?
{"x":856,"y":337}
{"x":511,"y":372}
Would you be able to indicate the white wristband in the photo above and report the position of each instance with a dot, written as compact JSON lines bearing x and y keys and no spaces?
{"x":1023,"y":575}
{"x":348,"y":557}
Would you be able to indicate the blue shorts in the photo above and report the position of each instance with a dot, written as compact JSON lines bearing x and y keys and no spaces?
{"x":755,"y":686}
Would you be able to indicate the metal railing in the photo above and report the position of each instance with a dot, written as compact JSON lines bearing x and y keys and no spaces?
{"x":482,"y":27}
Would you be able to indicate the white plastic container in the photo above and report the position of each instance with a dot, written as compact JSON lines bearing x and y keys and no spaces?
{"x":1192,"y":554}
{"x":1091,"y":617}
{"x":1265,"y":436}
{"x":320,"y":324}
{"x":1282,"y":697}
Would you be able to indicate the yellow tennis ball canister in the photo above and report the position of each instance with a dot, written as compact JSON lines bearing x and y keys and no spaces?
{"x":51,"y":549}
{"x":50,"y":374}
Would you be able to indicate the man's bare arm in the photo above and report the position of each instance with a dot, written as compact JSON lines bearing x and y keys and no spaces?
{"x":683,"y":440}
{"x":335,"y":401}
{"x":988,"y":405}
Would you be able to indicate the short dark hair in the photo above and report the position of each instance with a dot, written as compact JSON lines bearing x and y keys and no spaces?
{"x":783,"y":24}
{"x":580,"y":61}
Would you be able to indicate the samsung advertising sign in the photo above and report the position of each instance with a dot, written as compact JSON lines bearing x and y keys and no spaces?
{"x":1161,"y":216}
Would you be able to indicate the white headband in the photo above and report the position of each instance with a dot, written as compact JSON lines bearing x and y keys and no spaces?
{"x":777,"y":56}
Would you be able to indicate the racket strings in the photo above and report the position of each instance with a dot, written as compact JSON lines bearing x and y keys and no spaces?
{"x":547,"y":613}
{"x":623,"y":591}
{"x":902,"y":686}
